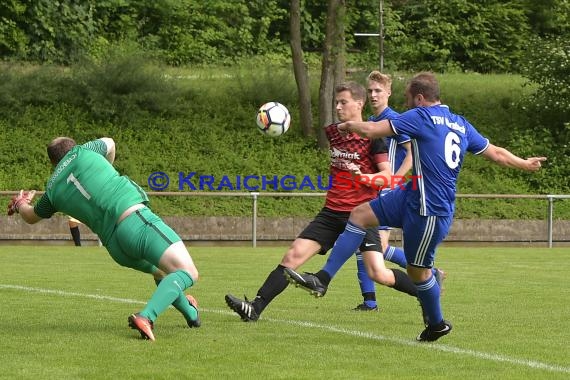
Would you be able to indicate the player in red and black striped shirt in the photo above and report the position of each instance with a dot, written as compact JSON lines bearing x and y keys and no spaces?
{"x":355,"y":162}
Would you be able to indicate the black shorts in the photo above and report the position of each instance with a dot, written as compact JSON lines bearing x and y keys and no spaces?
{"x":329,"y":224}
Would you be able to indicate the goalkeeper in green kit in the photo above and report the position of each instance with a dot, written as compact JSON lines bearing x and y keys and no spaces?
{"x":86,"y":186}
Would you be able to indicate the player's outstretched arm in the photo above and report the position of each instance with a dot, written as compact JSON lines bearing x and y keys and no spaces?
{"x":28,"y":214}
{"x":503,"y":157}
{"x":370,"y":129}
{"x":21,"y":203}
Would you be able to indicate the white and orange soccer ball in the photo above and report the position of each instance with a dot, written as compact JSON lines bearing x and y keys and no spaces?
{"x":273,"y":119}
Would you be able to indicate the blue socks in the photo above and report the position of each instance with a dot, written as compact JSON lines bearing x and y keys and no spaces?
{"x":396,"y":255}
{"x":428,"y":294}
{"x":366,"y":284}
{"x":346,"y":244}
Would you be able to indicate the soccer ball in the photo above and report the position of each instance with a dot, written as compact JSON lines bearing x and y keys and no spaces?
{"x":273,"y":119}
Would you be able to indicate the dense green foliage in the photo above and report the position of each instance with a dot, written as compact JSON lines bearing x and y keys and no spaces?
{"x":547,"y":65}
{"x":443,"y":35}
{"x":191,"y":120}
{"x":491,"y":39}
{"x":547,"y":69}
{"x":177,"y":82}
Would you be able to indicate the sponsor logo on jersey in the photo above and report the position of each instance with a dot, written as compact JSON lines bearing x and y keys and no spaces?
{"x":335,"y":153}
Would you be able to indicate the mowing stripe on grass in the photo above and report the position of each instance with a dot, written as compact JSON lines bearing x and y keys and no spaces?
{"x":406,"y":342}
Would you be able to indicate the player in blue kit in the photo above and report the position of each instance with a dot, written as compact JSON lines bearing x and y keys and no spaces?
{"x":424,"y":209}
{"x":379,"y":89}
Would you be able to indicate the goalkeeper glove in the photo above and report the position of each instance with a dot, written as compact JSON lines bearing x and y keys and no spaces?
{"x":19,"y":199}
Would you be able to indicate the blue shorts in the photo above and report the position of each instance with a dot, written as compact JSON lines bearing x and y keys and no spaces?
{"x":421,"y":234}
{"x":383,"y":192}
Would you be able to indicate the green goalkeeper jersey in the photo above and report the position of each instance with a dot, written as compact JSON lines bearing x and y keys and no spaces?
{"x":86,"y":186}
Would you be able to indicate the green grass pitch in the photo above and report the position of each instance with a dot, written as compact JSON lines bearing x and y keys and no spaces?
{"x":64,"y":316}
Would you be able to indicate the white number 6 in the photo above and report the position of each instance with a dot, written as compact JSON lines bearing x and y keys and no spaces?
{"x":452,"y":150}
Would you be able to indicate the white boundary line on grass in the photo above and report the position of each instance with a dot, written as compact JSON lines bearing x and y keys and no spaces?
{"x":406,"y":342}
{"x":433,"y":346}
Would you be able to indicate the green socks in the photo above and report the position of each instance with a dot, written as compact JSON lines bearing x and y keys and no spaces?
{"x":170,"y":291}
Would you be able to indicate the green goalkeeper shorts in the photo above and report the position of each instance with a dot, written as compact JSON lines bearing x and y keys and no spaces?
{"x":140,"y":240}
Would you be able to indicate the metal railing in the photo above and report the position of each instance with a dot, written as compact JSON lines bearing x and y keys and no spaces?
{"x":256,"y":195}
{"x":549,"y":197}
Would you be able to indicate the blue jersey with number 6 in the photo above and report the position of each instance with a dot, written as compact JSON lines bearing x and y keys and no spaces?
{"x":440,"y":139}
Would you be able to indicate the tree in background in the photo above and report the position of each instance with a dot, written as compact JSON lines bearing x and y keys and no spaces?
{"x":548,"y":71}
{"x":13,"y":39}
{"x":548,"y":17}
{"x":546,"y":65}
{"x":482,"y":36}
{"x":300,"y":70}
{"x":46,"y":31}
{"x":333,"y":66}
{"x":444,"y":35}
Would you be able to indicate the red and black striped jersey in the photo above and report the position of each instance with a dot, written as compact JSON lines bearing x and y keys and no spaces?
{"x":344,"y":192}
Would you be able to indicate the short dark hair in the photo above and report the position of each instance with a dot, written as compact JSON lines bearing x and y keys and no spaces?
{"x":357,"y":91}
{"x":426,"y":84}
{"x":58,"y":148}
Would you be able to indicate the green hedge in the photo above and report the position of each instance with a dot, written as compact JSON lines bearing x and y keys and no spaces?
{"x":202,"y":120}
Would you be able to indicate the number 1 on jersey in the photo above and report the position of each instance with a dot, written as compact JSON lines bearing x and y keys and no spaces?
{"x":78,"y":185}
